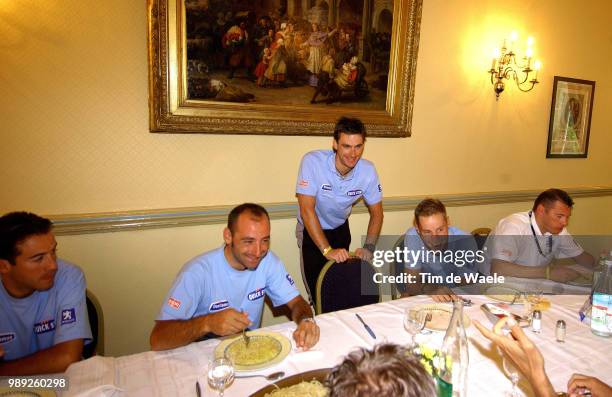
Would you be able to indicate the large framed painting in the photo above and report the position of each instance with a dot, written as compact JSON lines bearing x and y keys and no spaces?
{"x":570,"y":118}
{"x":284,"y":67}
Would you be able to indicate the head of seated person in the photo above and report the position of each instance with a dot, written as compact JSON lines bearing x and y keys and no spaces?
{"x":431,"y":223}
{"x":552,"y":210}
{"x":387,"y":370}
{"x":28,"y":261}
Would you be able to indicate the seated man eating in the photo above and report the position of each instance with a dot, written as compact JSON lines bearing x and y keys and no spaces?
{"x":221,"y":292}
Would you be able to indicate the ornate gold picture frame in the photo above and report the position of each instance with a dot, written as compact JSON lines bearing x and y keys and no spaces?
{"x":174,"y":109}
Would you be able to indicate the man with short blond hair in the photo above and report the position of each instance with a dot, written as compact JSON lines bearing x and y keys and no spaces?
{"x":441,"y":250}
{"x":387,"y":370}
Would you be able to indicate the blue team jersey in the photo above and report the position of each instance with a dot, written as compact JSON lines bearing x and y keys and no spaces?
{"x":208,"y":284}
{"x":335,"y":194}
{"x":458,"y":242}
{"x":45,"y":318}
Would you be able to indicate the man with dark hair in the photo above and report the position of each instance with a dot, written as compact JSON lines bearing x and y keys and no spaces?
{"x":536,"y":244}
{"x":329,"y":183}
{"x":437,"y":249}
{"x":221,"y":292}
{"x":43,"y":314}
{"x":388,"y":370}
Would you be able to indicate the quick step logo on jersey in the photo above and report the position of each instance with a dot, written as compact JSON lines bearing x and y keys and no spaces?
{"x":44,"y":326}
{"x":326,"y":186}
{"x":7,"y":337}
{"x":218,"y":305}
{"x":290,"y":279}
{"x":258,"y":293}
{"x":356,"y":192}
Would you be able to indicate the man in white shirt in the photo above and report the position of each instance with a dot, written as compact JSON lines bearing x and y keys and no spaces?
{"x":536,"y":244}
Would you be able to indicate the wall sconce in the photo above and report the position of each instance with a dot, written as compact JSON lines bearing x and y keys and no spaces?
{"x":506,"y":67}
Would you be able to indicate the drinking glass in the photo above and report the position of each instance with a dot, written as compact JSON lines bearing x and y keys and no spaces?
{"x":414,"y":322}
{"x":220,"y":374}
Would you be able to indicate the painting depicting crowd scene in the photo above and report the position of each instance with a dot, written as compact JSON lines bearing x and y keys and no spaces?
{"x":300,"y":52}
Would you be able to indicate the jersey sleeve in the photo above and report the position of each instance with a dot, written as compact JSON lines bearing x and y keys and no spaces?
{"x":280,"y":285}
{"x":373,"y":193}
{"x":71,"y":319}
{"x":182,"y":300}
{"x":414,"y":247}
{"x":306,"y":180}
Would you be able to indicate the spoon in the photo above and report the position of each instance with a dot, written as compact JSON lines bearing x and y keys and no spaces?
{"x":271,"y":377}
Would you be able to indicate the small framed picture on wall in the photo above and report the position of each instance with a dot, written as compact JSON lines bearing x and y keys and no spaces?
{"x":570,"y":118}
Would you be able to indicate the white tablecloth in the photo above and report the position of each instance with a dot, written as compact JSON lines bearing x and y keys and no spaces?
{"x":174,"y":372}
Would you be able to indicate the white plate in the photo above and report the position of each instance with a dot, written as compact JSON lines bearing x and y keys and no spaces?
{"x":441,"y":315}
{"x":501,"y":293}
{"x":284,"y":349}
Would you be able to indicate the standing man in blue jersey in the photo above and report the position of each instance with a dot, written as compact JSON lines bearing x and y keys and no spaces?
{"x":43,"y":314}
{"x":221,"y":292}
{"x":329,"y":183}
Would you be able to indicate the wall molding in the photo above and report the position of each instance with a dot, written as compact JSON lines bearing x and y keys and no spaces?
{"x":75,"y":224}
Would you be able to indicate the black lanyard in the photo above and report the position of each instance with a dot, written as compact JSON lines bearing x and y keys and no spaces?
{"x":535,"y":237}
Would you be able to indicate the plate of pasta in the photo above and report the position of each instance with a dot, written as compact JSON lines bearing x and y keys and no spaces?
{"x":264,"y":350}
{"x":305,"y":384}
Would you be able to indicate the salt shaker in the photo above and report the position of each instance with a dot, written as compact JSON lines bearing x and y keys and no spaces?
{"x":536,"y":322}
{"x":560,"y":331}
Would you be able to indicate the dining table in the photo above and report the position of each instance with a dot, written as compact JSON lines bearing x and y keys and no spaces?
{"x":176,"y":372}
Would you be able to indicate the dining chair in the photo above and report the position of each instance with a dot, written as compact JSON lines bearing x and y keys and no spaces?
{"x":480,"y":235}
{"x":96,"y":323}
{"x":346,"y":285}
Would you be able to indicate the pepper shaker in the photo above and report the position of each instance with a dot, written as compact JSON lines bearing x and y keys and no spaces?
{"x":536,"y":322}
{"x":560,"y":331}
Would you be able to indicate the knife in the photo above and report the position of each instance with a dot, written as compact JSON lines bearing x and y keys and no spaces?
{"x":366,"y":326}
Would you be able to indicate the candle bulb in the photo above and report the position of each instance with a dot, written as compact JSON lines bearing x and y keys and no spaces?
{"x":495,"y":57}
{"x":513,"y":37}
{"x":529,"y":54}
{"x":538,"y":65}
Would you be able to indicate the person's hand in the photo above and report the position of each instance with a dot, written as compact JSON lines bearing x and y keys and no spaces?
{"x":364,"y":254}
{"x":563,"y":274}
{"x":441,"y":294}
{"x":228,"y":322}
{"x":522,"y":352}
{"x":579,"y":382}
{"x":338,"y":255}
{"x":306,"y":335}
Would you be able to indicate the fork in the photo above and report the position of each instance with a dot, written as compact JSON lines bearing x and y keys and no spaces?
{"x":246,"y":338}
{"x":517,"y":295}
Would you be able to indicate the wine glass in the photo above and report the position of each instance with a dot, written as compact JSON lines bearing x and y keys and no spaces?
{"x":414,"y":322}
{"x":220,"y":374}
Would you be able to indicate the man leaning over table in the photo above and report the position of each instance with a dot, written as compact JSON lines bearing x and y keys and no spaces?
{"x":434,"y":238}
{"x":221,"y":292}
{"x":43,"y":314}
{"x":536,"y":244}
{"x":329,"y":183}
